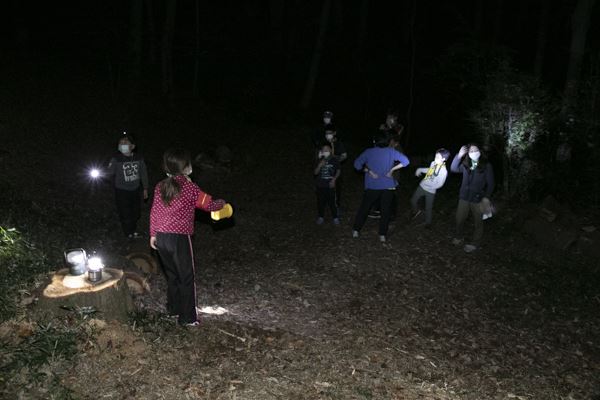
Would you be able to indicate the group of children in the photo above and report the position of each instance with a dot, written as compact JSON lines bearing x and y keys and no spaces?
{"x":176,"y":197}
{"x":379,"y":164}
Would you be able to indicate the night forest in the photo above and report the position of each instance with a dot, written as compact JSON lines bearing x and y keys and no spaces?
{"x":289,"y":308}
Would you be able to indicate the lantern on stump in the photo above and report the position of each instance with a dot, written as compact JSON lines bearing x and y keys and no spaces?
{"x":76,"y":261}
{"x":95,"y":267}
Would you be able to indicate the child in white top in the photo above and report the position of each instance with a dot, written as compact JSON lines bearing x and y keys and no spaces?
{"x":435,"y":177}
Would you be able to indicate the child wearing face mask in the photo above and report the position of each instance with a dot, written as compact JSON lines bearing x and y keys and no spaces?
{"x":317,"y":135}
{"x":477,"y":185}
{"x":338,"y":150}
{"x":435,"y":177}
{"x":327,"y":171}
{"x":171,"y":227}
{"x":130,"y":176}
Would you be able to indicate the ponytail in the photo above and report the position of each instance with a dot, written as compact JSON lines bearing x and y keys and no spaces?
{"x":174,"y":163}
{"x":169,"y":189}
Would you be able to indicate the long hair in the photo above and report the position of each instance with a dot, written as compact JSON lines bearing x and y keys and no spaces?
{"x":175,"y":161}
{"x":481,"y":163}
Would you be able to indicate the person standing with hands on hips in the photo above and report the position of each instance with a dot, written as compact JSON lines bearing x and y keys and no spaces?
{"x":171,"y":228}
{"x":379,"y":164}
{"x":477,"y":186}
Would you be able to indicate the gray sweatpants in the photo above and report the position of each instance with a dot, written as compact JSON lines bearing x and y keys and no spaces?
{"x":462,"y":212}
{"x":429,"y":197}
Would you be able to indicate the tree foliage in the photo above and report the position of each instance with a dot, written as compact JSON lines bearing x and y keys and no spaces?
{"x":514,"y":119}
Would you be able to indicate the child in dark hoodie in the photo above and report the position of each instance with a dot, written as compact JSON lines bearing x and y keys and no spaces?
{"x":477,"y":184}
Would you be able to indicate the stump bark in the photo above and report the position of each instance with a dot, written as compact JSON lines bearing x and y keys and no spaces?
{"x":107,"y":299}
{"x":145,"y":262}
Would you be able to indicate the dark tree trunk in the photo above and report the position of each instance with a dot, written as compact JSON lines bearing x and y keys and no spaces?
{"x":135,"y":46}
{"x":151,"y":31}
{"x":292,"y":34}
{"x":580,"y":23}
{"x":316,"y":59}
{"x":338,"y":20}
{"x":478,"y":23}
{"x":541,"y":39}
{"x":498,"y":26}
{"x":197,"y":51}
{"x":167,"y":49}
{"x":411,"y":83}
{"x":363,"y":33}
{"x":276,"y":13}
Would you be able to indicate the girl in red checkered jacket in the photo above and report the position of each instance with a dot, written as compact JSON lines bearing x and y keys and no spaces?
{"x":171,"y":229}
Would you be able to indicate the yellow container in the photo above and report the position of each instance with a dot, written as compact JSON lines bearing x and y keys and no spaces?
{"x":225,"y":212}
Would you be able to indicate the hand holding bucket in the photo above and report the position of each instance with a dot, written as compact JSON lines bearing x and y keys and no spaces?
{"x":225,"y":212}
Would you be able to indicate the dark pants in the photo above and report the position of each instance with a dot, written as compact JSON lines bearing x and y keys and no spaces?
{"x":462,"y":212}
{"x":385,"y":197}
{"x":128,"y":207}
{"x":177,"y":260}
{"x":393,"y":208}
{"x":326,"y":197}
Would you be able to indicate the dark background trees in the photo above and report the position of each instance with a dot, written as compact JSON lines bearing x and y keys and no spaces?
{"x":431,"y":61}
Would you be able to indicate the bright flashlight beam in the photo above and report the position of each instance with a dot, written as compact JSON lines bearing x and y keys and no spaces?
{"x":217,"y":310}
{"x":94,"y":173}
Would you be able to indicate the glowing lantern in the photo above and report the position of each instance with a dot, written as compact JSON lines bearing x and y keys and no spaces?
{"x":95,"y":267}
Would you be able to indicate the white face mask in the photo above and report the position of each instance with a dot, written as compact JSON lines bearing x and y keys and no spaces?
{"x":329,"y":136}
{"x":474,"y":155}
{"x":325,"y":154}
{"x":326,"y":121}
{"x":124,"y":148}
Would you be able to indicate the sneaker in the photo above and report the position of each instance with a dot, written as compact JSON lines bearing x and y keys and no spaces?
{"x":457,"y":241}
{"x":355,"y":234}
{"x":194,"y":324}
{"x":374,"y":214}
{"x":336,"y":221}
{"x":469,"y":248}
{"x":320,"y":221}
{"x":382,"y":238}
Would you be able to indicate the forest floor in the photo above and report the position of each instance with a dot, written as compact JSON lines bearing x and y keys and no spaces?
{"x":310,"y":312}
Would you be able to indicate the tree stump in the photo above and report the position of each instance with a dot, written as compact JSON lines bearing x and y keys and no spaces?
{"x":145,"y":262}
{"x":107,"y":299}
{"x":137,"y":283}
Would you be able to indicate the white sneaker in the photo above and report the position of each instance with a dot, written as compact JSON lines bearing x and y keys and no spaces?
{"x":382,"y":238}
{"x":469,"y":248}
{"x":355,"y":234}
